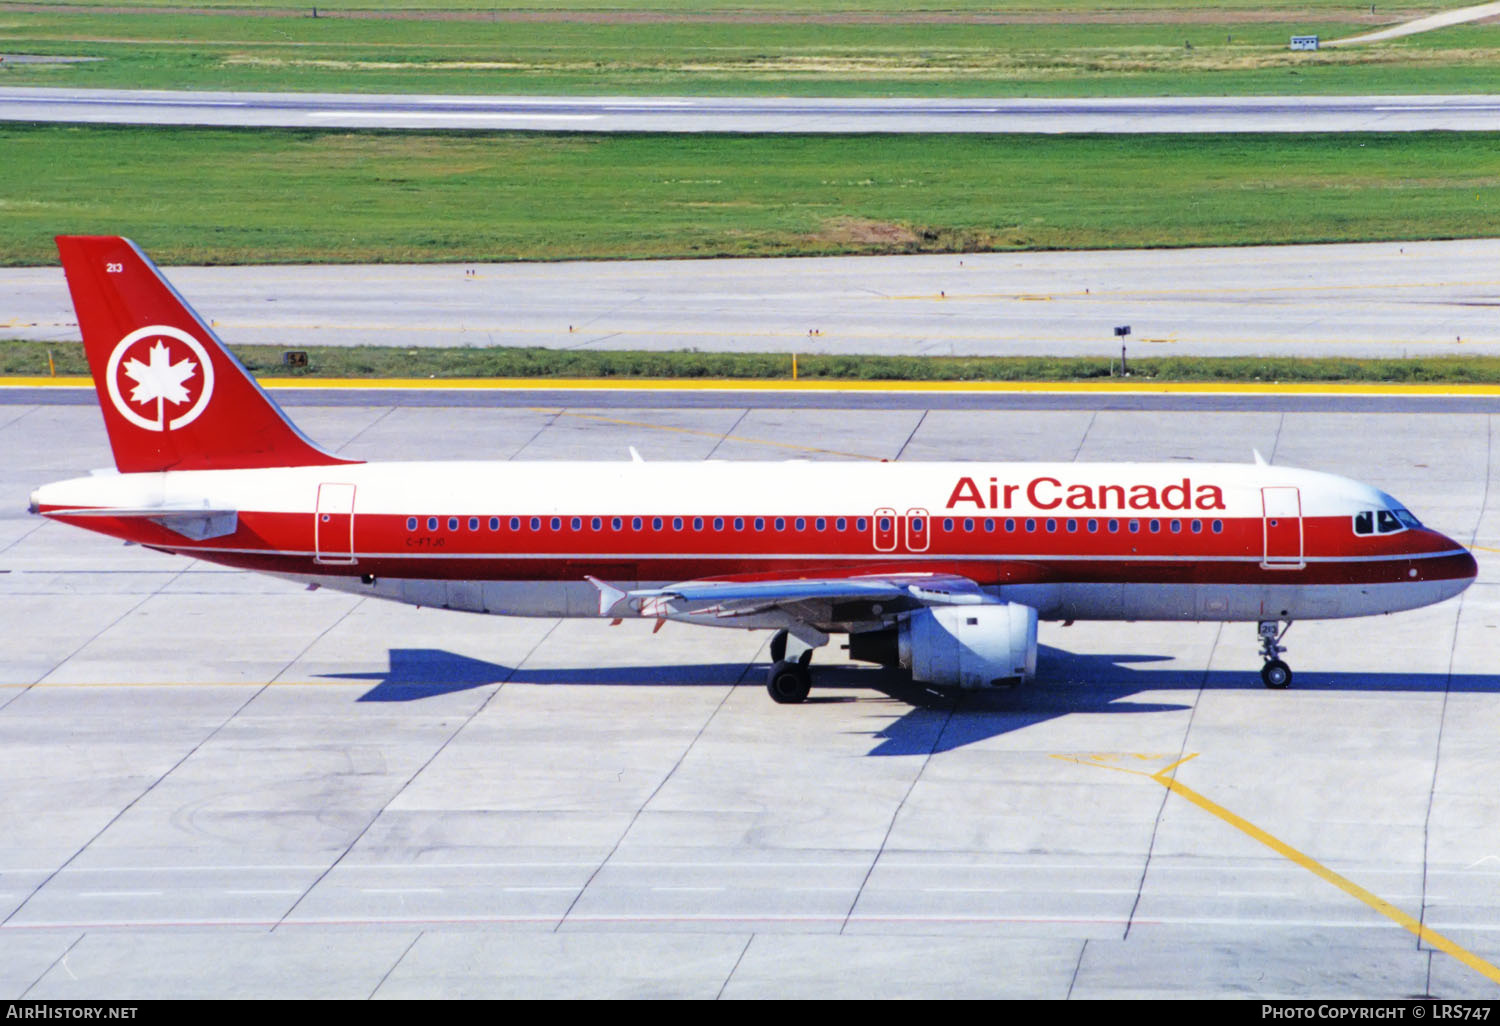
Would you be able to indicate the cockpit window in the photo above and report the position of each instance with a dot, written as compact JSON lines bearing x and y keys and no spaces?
{"x":1384,"y":521}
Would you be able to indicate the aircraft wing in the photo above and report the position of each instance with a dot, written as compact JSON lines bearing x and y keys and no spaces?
{"x":836,"y":597}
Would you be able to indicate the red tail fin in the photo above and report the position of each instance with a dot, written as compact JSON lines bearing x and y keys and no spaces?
{"x":173,"y":397}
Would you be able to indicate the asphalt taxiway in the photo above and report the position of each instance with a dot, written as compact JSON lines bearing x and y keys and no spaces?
{"x":218,"y":784}
{"x":1376,"y":299}
{"x":754,"y":114}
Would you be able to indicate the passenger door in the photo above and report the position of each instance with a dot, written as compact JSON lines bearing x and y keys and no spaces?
{"x":1281,"y":526}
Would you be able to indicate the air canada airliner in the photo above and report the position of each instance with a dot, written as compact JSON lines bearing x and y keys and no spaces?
{"x":942,"y":569}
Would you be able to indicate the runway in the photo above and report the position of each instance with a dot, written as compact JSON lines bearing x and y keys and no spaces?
{"x":222,"y":785}
{"x":1377,"y":299}
{"x":1467,"y":113}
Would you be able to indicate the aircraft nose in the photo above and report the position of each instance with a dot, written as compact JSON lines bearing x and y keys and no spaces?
{"x":33,"y":504}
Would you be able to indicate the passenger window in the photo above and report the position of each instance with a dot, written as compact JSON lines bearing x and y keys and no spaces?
{"x":885,"y":524}
{"x":515,"y":523}
{"x":453,"y":523}
{"x":1197,"y":527}
{"x":494,"y":523}
{"x":916,"y":524}
{"x":636,"y":523}
{"x":989,"y":525}
{"x":968,"y":523}
{"x":1072,"y":525}
{"x":861,"y":525}
{"x":616,"y":523}
{"x":432,"y":523}
{"x":1051,"y":525}
{"x":697,"y":523}
{"x":739,"y":523}
{"x":597,"y":524}
{"x":840,"y":524}
{"x":801,"y":524}
{"x":760,"y":523}
{"x":578,"y":523}
{"x":781,"y":523}
{"x":820,"y":524}
{"x":557,"y":523}
{"x":1218,"y":526}
{"x":676,"y":523}
{"x":411,"y":523}
{"x":1176,"y":526}
{"x":656,"y":523}
{"x":1133,"y":526}
{"x":1114,"y":527}
{"x":1030,"y":525}
{"x":1154,"y":526}
{"x":947,"y":524}
{"x":473,"y":523}
{"x":1010,"y":524}
{"x":1093,"y":526}
{"x":718,"y":523}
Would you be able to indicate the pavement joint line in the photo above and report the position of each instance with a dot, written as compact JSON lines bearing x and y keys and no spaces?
{"x":396,"y":964}
{"x":1187,"y":730}
{"x":937,"y":739}
{"x":1167,"y":778}
{"x":1437,"y":754}
{"x":498,"y":687}
{"x":61,"y":960}
{"x":681,"y":758}
{"x":732,"y":429}
{"x":194,"y":749}
{"x":732,"y":969}
{"x":817,"y":385}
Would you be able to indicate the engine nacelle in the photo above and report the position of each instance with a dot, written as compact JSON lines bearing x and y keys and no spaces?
{"x":965,"y":646}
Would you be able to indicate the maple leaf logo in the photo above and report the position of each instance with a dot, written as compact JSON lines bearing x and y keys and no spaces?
{"x":161,"y":379}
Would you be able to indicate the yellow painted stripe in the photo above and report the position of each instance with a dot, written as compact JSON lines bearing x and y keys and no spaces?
{"x":1307,"y":862}
{"x":831,"y":385}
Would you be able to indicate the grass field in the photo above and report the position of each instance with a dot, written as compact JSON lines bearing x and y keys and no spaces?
{"x":273,"y":196}
{"x":1149,"y":49}
{"x":38,"y":359}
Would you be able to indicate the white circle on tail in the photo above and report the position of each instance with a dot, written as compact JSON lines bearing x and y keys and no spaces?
{"x":162,"y":375}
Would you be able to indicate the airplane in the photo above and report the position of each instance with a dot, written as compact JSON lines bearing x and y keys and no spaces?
{"x":943,"y":569}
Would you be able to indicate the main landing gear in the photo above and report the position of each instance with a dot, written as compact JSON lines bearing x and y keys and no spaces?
{"x":1275,"y":673}
{"x":790,"y":679}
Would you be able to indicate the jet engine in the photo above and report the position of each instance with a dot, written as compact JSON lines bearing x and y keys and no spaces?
{"x":968,"y":646}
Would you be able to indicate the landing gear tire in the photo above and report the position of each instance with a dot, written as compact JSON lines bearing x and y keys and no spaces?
{"x":788,"y":683}
{"x":1276,"y":674}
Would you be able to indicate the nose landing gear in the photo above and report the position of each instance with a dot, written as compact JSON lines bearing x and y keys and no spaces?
{"x":1275,"y":673}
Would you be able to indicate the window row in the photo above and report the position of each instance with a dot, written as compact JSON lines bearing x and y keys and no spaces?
{"x":861,"y":524}
{"x":917,"y":525}
{"x":1091,"y":526}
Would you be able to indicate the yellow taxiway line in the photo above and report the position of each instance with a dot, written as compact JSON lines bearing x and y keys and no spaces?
{"x":1165,"y":778}
{"x":1112,"y":387}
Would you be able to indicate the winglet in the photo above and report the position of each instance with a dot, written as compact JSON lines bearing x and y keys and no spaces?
{"x":609,"y":596}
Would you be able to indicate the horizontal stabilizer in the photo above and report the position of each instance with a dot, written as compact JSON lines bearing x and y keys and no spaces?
{"x":195,"y":523}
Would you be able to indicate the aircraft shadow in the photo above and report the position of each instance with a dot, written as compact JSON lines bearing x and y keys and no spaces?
{"x":937,"y":719}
